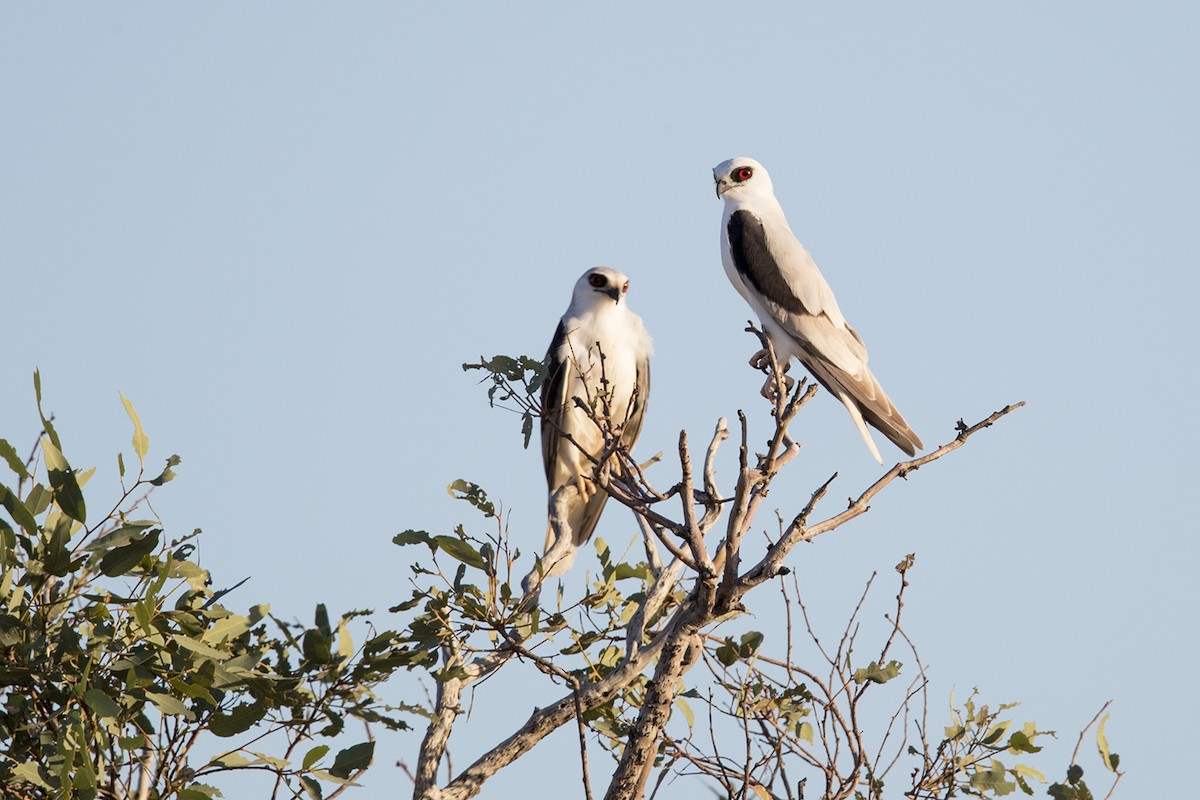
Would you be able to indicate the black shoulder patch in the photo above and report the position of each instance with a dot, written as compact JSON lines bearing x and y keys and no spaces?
{"x":754,"y":262}
{"x":552,"y":399}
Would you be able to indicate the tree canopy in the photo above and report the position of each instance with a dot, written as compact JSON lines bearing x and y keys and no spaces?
{"x":126,"y":676}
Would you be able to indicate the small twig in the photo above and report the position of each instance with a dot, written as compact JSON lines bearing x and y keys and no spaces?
{"x":770,"y":564}
{"x":550,"y":668}
{"x":648,"y":536}
{"x":1082,"y":733}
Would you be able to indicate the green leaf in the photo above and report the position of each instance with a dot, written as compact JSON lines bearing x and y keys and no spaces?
{"x":238,"y":720}
{"x":625,"y":571}
{"x":30,"y":773}
{"x":995,"y":733}
{"x":311,"y":788}
{"x":200,"y":648}
{"x":318,"y":647}
{"x":225,"y":629}
{"x":84,"y":778}
{"x":992,"y":780}
{"x":321,"y":619}
{"x":144,"y":614}
{"x":194,"y":690}
{"x":9,"y":453}
{"x":461,"y":550}
{"x":168,"y":704}
{"x":352,"y":759}
{"x":17,"y":509}
{"x":1020,"y":742}
{"x":119,"y":536}
{"x":805,"y":731}
{"x":234,"y":759}
{"x":875,"y":673}
{"x":38,"y":499}
{"x":751,"y":641}
{"x":167,"y":474}
{"x":315,"y":755}
{"x":473,"y":494}
{"x":527,"y":427}
{"x":141,"y":442}
{"x":414,"y":537}
{"x":56,"y":558}
{"x":132,"y":744}
{"x":199,"y":791}
{"x":66,"y":488}
{"x":100,"y":703}
{"x":37,"y":392}
{"x":123,"y":559}
{"x":727,"y":653}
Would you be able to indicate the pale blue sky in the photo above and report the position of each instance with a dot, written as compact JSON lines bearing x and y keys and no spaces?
{"x":279,"y":229}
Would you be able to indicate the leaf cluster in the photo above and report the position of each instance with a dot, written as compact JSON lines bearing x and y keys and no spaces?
{"x":515,"y":379}
{"x":967,"y":759}
{"x":117,"y":655}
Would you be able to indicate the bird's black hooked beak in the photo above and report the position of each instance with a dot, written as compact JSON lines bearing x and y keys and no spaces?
{"x":614,"y":292}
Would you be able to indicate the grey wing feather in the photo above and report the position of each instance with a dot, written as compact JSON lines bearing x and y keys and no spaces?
{"x":826,"y":349}
{"x":637,"y":408}
{"x":866,"y":393}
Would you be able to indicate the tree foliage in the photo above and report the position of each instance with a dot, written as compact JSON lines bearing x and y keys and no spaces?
{"x":119,"y":662}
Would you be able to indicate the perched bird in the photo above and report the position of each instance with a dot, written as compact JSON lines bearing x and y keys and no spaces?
{"x":779,"y":279}
{"x":601,"y":355}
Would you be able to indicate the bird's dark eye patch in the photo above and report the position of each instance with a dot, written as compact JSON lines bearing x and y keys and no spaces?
{"x":597,"y":280}
{"x":742,"y":174}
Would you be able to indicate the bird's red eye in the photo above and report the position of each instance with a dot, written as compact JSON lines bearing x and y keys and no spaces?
{"x":625,"y":288}
{"x":597,"y":280}
{"x":742,"y":174}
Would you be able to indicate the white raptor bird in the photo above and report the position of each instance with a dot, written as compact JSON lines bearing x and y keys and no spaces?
{"x":598,"y":321}
{"x":769,"y":267}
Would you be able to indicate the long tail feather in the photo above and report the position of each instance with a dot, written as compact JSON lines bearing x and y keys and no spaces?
{"x":861,"y":424}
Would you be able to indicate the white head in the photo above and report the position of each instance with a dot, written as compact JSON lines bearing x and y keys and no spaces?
{"x":599,"y":287}
{"x":742,"y":178}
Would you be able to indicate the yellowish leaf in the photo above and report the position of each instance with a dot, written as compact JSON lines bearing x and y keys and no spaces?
{"x":54,"y":456}
{"x":141,"y":442}
{"x":1102,"y":743}
{"x":345,"y":642}
{"x":686,"y":710}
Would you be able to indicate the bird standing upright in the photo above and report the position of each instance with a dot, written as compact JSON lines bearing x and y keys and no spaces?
{"x":601,"y":355}
{"x":769,"y":267}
